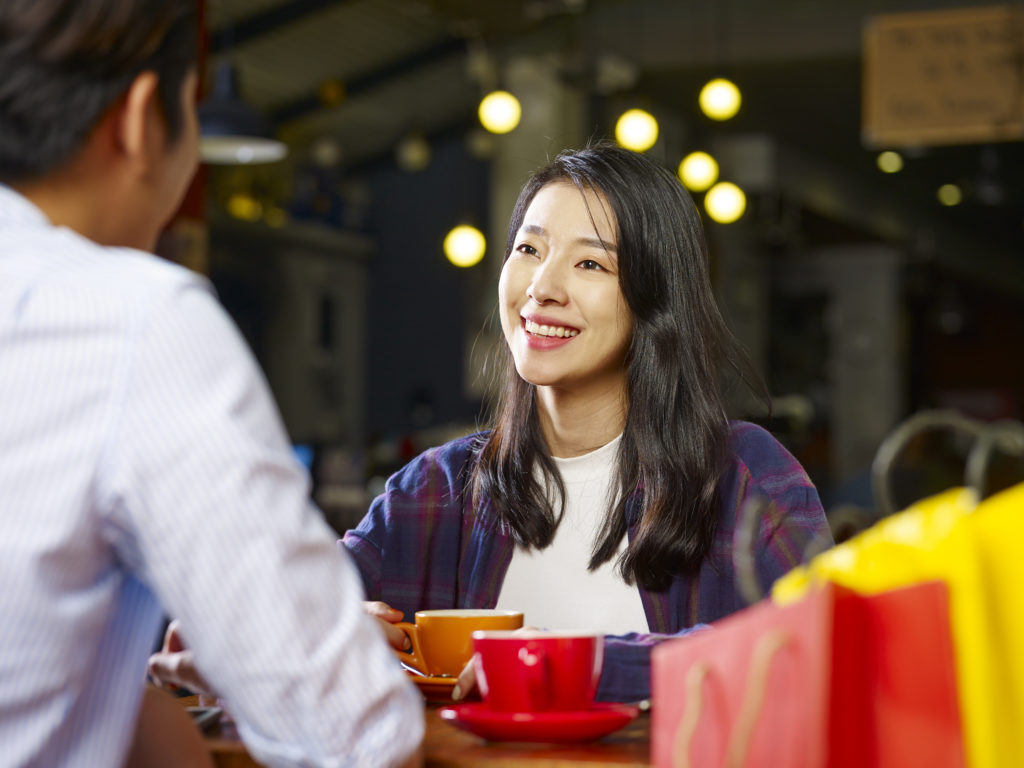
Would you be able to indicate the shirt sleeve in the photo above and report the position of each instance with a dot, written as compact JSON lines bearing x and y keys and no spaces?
{"x":626,"y":673}
{"x":364,"y":544}
{"x":417,"y":548}
{"x":211,"y":509}
{"x":792,"y":520}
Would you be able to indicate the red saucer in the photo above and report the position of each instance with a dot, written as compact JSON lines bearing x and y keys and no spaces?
{"x":600,"y":720}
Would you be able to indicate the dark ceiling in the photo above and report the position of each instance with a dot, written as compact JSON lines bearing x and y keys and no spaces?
{"x":363,"y":73}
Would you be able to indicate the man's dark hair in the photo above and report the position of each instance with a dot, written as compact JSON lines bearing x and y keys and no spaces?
{"x":63,"y":63}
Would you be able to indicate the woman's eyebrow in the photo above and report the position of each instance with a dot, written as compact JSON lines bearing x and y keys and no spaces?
{"x":589,"y":242}
{"x":596,"y":242}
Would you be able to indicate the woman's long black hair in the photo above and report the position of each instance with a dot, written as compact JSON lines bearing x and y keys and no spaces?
{"x":675,"y":445}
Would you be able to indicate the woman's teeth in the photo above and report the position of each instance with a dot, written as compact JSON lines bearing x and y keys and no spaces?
{"x":550,"y":330}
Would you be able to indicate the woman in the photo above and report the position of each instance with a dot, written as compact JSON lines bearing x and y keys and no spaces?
{"x":605,"y":496}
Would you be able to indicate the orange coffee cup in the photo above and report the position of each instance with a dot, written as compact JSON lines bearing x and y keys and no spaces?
{"x":442,"y":640}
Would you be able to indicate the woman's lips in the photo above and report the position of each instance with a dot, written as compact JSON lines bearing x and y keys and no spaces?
{"x":549,"y":329}
{"x":547,"y":335}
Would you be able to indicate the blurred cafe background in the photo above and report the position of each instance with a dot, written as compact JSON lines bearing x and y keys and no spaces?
{"x":867,"y":245}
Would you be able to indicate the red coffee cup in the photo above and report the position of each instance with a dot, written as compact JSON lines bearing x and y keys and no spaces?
{"x":536,"y":671}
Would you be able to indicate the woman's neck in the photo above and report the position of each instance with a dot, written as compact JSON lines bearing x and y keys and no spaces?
{"x":577,"y":423}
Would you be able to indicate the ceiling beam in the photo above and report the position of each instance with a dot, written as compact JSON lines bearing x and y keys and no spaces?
{"x":837,"y":195}
{"x":252,"y":27}
{"x":401,"y":67}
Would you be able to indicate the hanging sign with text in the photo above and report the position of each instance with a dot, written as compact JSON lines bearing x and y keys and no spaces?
{"x":944,"y":77}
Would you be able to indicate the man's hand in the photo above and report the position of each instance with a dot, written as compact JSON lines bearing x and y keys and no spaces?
{"x":174,"y":665}
{"x":387,"y":617}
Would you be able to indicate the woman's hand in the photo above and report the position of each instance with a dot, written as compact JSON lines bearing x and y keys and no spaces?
{"x":466,"y":682}
{"x":174,"y":665}
{"x":387,"y":617}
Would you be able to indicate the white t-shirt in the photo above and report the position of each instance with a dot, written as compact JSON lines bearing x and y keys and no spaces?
{"x":553,"y":587}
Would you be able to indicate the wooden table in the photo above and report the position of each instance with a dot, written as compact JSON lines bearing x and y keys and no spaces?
{"x":446,"y":746}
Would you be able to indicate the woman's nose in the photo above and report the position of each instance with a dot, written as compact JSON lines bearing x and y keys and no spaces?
{"x":548,"y":283}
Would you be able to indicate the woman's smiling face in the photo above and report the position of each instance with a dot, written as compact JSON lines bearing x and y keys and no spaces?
{"x":562,"y":312}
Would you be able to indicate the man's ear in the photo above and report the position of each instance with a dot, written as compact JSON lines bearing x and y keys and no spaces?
{"x":140,"y":132}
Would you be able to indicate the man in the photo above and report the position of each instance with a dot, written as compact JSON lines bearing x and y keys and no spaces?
{"x":143,"y":467}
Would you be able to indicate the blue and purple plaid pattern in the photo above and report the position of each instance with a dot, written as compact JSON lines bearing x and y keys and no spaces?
{"x":423,"y":545}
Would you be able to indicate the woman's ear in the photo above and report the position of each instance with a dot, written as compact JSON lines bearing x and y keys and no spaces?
{"x":140,"y":131}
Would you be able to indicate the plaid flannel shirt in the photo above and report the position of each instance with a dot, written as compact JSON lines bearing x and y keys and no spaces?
{"x":423,"y":545}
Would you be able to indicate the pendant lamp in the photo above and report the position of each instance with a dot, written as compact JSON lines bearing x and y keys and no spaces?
{"x":233,"y":132}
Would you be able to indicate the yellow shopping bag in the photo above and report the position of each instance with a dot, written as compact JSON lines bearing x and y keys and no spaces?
{"x":978,"y":550}
{"x":998,"y":541}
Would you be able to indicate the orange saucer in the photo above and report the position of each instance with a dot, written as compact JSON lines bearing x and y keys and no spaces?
{"x":434,"y":688}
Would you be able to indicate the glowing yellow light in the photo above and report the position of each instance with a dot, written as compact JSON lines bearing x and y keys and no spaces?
{"x":245,"y":207}
{"x":331,"y":92}
{"x":698,"y":171}
{"x":950,"y":194}
{"x":725,"y":202}
{"x":464,"y":246}
{"x":499,"y":112}
{"x":275,"y":217}
{"x":720,"y":99}
{"x":413,"y":153}
{"x":636,"y":130}
{"x":890,"y":162}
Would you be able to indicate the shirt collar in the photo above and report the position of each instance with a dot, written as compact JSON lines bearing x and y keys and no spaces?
{"x":18,"y":209}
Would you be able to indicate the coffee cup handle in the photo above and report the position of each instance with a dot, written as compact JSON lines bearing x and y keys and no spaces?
{"x":414,"y":658}
{"x":533,"y":662}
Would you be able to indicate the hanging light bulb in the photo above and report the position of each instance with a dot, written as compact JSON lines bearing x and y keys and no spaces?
{"x":720,"y":99}
{"x":950,"y":194}
{"x":325,"y":152}
{"x":890,"y":162}
{"x":725,"y":202}
{"x":698,"y":171}
{"x":331,"y":93}
{"x":275,"y":216}
{"x":464,"y":246}
{"x":499,"y":112}
{"x":244,"y":206}
{"x":412,"y":154}
{"x":637,"y":130}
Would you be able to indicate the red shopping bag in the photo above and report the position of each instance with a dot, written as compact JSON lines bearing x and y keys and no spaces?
{"x":838,"y":679}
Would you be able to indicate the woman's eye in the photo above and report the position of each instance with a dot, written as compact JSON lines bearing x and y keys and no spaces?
{"x":590,"y":264}
{"x":527,"y":249}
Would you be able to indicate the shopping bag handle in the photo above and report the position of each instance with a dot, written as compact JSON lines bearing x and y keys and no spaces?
{"x":1006,"y":436}
{"x":754,"y":694}
{"x":892,"y":446}
{"x":693,"y":703}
